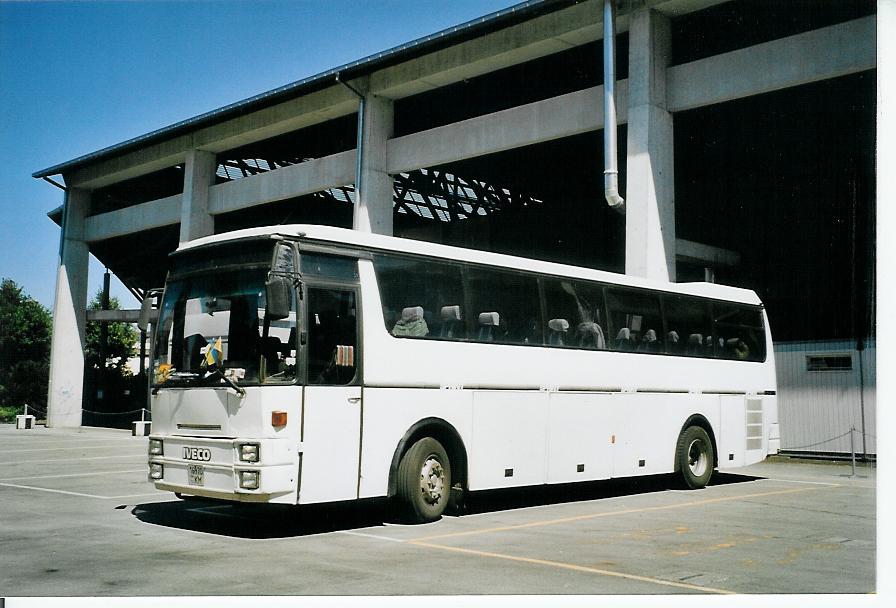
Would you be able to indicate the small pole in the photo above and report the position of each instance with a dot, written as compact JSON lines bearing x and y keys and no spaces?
{"x":26,"y":409}
{"x":852,"y":448}
{"x":142,"y":414}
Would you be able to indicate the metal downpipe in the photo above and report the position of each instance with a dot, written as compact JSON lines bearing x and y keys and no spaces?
{"x":359,"y":154}
{"x":611,"y":171}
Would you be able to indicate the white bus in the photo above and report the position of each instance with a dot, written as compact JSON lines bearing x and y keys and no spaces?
{"x":360,"y":366}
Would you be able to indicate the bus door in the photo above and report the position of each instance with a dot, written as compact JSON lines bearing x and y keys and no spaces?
{"x":331,"y":429}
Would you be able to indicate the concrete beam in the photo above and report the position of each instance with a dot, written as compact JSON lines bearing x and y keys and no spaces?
{"x":199,"y":174}
{"x":320,"y":106}
{"x":65,"y":393}
{"x":287,"y":182}
{"x":562,"y":116}
{"x":706,"y":255}
{"x":113,"y":316}
{"x":787,"y":62}
{"x":676,"y":8}
{"x":145,"y":216}
{"x":545,"y":35}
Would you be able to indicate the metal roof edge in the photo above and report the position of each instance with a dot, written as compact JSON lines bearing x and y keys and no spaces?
{"x":441,"y":39}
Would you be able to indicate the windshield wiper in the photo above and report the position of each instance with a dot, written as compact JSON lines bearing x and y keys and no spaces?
{"x":229,"y":381}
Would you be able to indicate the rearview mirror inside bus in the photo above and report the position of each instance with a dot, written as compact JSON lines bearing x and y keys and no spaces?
{"x":277,"y":298}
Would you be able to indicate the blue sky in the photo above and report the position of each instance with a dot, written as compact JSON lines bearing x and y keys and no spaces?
{"x":76,"y":77}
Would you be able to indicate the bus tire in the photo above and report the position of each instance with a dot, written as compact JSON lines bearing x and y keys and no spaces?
{"x":694,"y":457}
{"x":424,"y":481}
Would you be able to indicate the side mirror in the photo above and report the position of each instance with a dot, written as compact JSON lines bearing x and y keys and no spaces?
{"x":277,"y":298}
{"x":147,"y":314}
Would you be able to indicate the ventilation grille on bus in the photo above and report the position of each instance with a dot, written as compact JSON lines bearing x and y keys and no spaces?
{"x":754,"y":424}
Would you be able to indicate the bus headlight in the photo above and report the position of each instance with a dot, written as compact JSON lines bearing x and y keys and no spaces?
{"x":155,"y":447}
{"x":156,"y":471}
{"x":249,"y":480}
{"x":249,"y":452}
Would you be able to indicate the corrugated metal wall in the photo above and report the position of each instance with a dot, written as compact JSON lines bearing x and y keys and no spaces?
{"x":817,"y":408}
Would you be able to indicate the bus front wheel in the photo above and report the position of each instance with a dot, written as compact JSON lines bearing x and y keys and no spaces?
{"x":424,"y":481}
{"x":694,"y":457}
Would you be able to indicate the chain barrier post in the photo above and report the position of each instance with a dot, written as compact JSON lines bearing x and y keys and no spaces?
{"x":852,"y":449}
{"x":25,"y":421}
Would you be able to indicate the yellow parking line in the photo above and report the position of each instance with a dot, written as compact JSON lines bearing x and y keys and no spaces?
{"x":566,"y":566}
{"x":563,"y":520}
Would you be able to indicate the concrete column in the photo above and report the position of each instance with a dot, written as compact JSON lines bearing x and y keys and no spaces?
{"x":65,"y":395}
{"x":373,"y":206}
{"x":199,"y":174}
{"x":650,"y":192}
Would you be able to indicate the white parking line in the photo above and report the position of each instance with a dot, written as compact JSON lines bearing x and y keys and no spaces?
{"x":65,"y":441}
{"x":81,"y":494}
{"x":83,"y":458}
{"x":376,"y":536}
{"x":79,"y":447}
{"x":816,"y":483}
{"x":71,"y":475}
{"x":66,"y":492}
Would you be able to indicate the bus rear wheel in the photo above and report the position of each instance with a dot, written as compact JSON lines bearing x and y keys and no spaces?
{"x":694,"y":457}
{"x":424,"y":481}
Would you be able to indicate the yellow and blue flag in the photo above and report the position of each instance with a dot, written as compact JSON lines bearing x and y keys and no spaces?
{"x":215,"y":352}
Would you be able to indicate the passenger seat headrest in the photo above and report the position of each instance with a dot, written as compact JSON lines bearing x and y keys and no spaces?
{"x":561,"y":325}
{"x":451,"y":313}
{"x":412,"y":313}
{"x":489,"y":319}
{"x":695,"y":339}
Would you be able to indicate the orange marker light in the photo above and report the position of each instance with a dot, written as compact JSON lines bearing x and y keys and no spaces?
{"x":278,"y":418}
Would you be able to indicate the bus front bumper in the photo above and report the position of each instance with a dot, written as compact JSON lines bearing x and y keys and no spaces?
{"x":218,"y":468}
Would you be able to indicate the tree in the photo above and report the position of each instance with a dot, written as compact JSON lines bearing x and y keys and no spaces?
{"x":25,"y":327}
{"x":121,"y":341}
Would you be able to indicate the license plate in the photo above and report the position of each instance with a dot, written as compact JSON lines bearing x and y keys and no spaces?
{"x":197,"y":474}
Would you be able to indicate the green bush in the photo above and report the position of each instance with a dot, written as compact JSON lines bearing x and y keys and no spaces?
{"x":24,"y":349}
{"x":9,"y":413}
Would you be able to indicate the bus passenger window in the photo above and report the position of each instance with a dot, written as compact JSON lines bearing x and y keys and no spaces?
{"x":414,"y":295}
{"x":581,"y":304}
{"x":635,"y":317}
{"x":506,"y":306}
{"x":688,"y":317}
{"x":743,"y":331}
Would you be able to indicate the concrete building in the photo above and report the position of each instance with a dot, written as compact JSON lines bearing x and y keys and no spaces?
{"x":746,"y":139}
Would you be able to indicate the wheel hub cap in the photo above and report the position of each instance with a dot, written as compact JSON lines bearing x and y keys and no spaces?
{"x":432,"y":480}
{"x":697,"y":460}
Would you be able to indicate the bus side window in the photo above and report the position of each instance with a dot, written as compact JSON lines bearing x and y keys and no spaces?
{"x":505,"y":307}
{"x":581,"y":305}
{"x":415,"y":295}
{"x":638,"y":312}
{"x":741,"y":332}
{"x":691,"y":322}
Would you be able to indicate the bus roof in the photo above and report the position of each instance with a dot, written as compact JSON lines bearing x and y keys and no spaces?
{"x":368,"y":241}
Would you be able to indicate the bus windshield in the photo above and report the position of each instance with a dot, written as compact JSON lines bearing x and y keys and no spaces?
{"x":212,"y":326}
